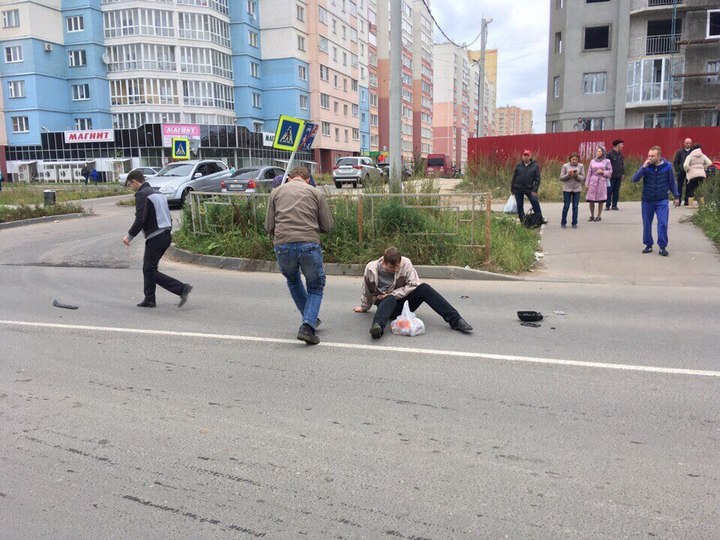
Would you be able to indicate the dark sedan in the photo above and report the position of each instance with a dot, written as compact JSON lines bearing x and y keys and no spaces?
{"x":252,"y":179}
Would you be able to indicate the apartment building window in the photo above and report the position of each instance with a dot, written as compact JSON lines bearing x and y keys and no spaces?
{"x":554,"y":126}
{"x":16,"y":89}
{"x":347,"y":138}
{"x":594,"y":83}
{"x":326,"y":128}
{"x":344,"y":85}
{"x":335,"y":107}
{"x":337,"y":134}
{"x":335,"y":57}
{"x":335,"y":81}
{"x":597,"y":37}
{"x":558,"y":42}
{"x":373,"y":100}
{"x":11,"y":18}
{"x":252,"y":38}
{"x":13,"y":54}
{"x":373,"y":120}
{"x":256,"y":100}
{"x":713,"y":70}
{"x":303,"y":102}
{"x":324,"y":101}
{"x":713,"y":24}
{"x":75,"y":23}
{"x":322,"y":15}
{"x":80,"y":92}
{"x":251,"y":8}
{"x":334,"y":26}
{"x":83,"y":123}
{"x":711,"y":119}
{"x":301,"y":43}
{"x":355,"y":134}
{"x":20,"y":124}
{"x":255,"y":70}
{"x":192,"y":60}
{"x":257,"y":127}
{"x":300,"y":12}
{"x":648,"y":79}
{"x":323,"y":44}
{"x":344,"y":59}
{"x":302,"y":73}
{"x":355,"y":110}
{"x":556,"y":87}
{"x":324,"y":73}
{"x":345,"y":110}
{"x":658,"y":120}
{"x":353,"y":85}
{"x":344,"y":32}
{"x":77,"y":58}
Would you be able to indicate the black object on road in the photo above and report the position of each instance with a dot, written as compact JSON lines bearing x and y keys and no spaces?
{"x":530,"y":316}
{"x":64,"y":306}
{"x":531,"y":324}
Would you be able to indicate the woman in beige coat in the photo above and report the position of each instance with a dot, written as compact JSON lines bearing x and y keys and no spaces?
{"x":695,"y":165}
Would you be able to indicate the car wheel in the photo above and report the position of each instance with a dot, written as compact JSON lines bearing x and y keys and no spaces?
{"x":185,"y":195}
{"x":338,"y":185}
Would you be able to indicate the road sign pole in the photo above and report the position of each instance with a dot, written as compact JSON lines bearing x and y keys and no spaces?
{"x":289,"y":167}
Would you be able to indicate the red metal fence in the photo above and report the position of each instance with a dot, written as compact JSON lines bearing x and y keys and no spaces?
{"x":560,"y":145}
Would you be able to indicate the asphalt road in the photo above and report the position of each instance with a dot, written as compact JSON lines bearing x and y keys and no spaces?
{"x":212,"y":421}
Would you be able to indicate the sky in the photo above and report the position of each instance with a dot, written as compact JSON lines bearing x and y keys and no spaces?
{"x":519,"y":32}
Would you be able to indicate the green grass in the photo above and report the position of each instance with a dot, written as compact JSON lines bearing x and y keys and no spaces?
{"x":26,"y":194}
{"x":27,"y":212}
{"x":708,"y":216}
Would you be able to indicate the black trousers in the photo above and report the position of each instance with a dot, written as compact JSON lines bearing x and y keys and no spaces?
{"x":155,"y":248}
{"x":681,"y":181}
{"x":613,"y":193}
{"x":390,"y":307}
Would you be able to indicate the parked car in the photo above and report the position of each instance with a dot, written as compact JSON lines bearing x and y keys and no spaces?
{"x":355,"y":170}
{"x":385,"y":170}
{"x":177,"y":180}
{"x":149,"y":172}
{"x":252,"y":179}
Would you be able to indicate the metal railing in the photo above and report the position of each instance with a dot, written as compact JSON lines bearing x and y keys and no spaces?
{"x":642,"y":4}
{"x":465,"y":217}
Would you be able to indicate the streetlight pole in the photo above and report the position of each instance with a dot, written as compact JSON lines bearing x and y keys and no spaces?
{"x":481,"y":82}
{"x":395,"y":105}
{"x":671,"y":78}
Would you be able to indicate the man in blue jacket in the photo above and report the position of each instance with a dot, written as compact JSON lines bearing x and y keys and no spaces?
{"x":658,"y":179}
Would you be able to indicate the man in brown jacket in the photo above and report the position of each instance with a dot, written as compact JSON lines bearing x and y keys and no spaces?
{"x":296,"y":215}
{"x":391,"y":280}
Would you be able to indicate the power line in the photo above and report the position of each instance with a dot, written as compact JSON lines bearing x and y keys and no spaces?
{"x":443,"y":31}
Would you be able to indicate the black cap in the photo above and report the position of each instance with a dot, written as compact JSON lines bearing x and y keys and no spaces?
{"x":617,"y":141}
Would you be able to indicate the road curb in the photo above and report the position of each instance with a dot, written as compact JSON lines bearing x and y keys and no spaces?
{"x":331,"y":269}
{"x":44,"y":219}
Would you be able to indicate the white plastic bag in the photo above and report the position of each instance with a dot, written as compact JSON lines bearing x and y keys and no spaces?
{"x":511,"y":205}
{"x":407,"y":324}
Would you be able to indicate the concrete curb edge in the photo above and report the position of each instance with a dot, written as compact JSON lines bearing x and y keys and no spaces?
{"x":44,"y":219}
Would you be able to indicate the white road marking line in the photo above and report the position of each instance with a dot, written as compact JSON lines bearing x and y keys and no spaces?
{"x":360,"y":346}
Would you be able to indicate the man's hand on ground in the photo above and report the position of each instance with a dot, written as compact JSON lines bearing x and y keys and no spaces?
{"x":358,"y":309}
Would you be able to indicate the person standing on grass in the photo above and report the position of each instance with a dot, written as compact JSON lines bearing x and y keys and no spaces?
{"x":572,"y":176}
{"x":617,"y":161}
{"x":152,"y":217}
{"x":694,"y":166}
{"x":680,"y":157}
{"x":85,"y":173}
{"x":526,"y":183}
{"x":296,"y":215}
{"x":599,"y":171}
{"x":658,"y":179}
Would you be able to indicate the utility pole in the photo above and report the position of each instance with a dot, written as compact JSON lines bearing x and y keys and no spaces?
{"x":671,"y":78}
{"x":395,"y":94}
{"x":481,"y":82}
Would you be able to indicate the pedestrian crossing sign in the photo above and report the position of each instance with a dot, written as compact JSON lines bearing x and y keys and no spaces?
{"x":180,"y":148}
{"x":289,"y":133}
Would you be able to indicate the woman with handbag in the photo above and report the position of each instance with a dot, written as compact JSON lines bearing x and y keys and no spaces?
{"x":572,"y":176}
{"x":599,"y":172}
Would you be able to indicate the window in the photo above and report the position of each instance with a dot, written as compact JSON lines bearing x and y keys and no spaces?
{"x":648,"y":80}
{"x":301,"y":43}
{"x":80,"y":92}
{"x":713,"y":24}
{"x":554,"y":126}
{"x":83,"y":123}
{"x":323,"y":44}
{"x":355,"y":110}
{"x":711,"y":119}
{"x":347,"y":138}
{"x":252,"y":38}
{"x":77,"y":58}
{"x":355,"y":134}
{"x":16,"y":89}
{"x":20,"y":124}
{"x":256,"y":100}
{"x":326,"y":128}
{"x":337,"y":134}
{"x":556,"y":87}
{"x":658,"y":120}
{"x":558,"y":42}
{"x":74,"y":24}
{"x":713,"y":71}
{"x":300,"y":12}
{"x":302,"y":73}
{"x":303,"y":102}
{"x":594,"y":83}
{"x":257,"y":127}
{"x":354,"y":85}
{"x":335,"y":107}
{"x":324,"y":73}
{"x":324,"y":101}
{"x":335,"y":81}
{"x":255,"y":70}
{"x":251,"y":8}
{"x":345,"y":110}
{"x":13,"y":54}
{"x":11,"y":18}
{"x":597,"y":37}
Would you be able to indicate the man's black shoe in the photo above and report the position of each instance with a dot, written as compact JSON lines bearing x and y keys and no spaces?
{"x":307,"y":334}
{"x":462,"y":326}
{"x":146,"y":304}
{"x":184,"y":294}
{"x":376,"y":331}
{"x":648,"y":249}
{"x":664,"y":252}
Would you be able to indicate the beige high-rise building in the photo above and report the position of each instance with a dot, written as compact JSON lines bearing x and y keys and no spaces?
{"x":511,"y":120}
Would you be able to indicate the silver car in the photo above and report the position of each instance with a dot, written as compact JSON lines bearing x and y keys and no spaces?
{"x":355,"y":170}
{"x":177,"y":180}
{"x":252,"y":179}
{"x":148,"y":172}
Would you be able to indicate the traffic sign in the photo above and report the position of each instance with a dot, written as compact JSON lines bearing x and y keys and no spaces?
{"x":180,"y":148}
{"x":288,"y":133}
{"x":308,"y":136}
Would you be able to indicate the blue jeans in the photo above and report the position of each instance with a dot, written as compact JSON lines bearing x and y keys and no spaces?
{"x":519,"y":198}
{"x":306,"y":257}
{"x":574,"y":198}
{"x":649,"y":210}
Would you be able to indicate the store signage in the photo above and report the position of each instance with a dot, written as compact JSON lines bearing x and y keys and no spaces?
{"x":90,"y":135}
{"x":191,"y":131}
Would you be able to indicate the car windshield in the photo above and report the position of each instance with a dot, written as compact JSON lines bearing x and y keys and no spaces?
{"x":346,"y":161}
{"x":176,"y":169}
{"x":436,"y":162}
{"x":244,"y":174}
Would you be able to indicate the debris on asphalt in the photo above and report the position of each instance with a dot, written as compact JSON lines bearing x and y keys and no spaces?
{"x":464,"y":296}
{"x":530,"y":324}
{"x":64,"y":306}
{"x":559,"y":312}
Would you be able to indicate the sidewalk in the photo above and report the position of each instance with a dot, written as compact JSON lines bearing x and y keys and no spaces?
{"x":610,"y":251}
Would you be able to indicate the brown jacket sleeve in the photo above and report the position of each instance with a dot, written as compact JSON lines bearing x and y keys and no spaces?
{"x":325,"y":219}
{"x":412,"y":280}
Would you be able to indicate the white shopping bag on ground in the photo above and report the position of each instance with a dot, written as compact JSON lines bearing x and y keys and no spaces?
{"x":407,"y":324}
{"x":511,"y":205}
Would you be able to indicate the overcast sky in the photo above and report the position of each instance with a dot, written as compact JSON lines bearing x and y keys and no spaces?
{"x":519,"y":32}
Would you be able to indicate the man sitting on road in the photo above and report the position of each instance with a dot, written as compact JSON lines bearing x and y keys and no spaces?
{"x":391,"y":280}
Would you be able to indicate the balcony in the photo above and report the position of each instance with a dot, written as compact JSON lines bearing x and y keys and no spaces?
{"x":654,"y":45}
{"x":655,"y":5}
